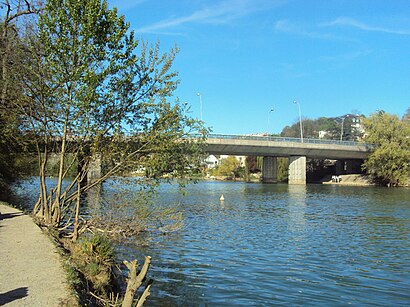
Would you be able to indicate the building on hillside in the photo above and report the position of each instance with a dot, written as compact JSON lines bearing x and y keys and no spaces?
{"x":357,"y":129}
{"x":211,"y":161}
{"x":322,"y":134}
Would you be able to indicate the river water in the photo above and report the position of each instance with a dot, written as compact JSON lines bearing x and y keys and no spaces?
{"x":266,"y":245}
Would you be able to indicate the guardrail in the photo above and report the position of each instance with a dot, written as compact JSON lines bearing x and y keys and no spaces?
{"x":284,"y":139}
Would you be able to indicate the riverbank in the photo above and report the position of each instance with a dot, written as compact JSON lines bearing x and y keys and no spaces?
{"x":349,"y":180}
{"x":345,"y":180}
{"x":31,"y":271}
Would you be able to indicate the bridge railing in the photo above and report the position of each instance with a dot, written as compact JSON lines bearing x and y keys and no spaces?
{"x":285,"y":139}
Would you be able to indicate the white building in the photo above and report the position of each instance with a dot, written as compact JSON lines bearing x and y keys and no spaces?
{"x":211,"y":161}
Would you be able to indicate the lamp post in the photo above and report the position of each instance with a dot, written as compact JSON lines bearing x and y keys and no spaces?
{"x":270,"y":111}
{"x":341,"y":132}
{"x":300,"y":121}
{"x":200,"y":105}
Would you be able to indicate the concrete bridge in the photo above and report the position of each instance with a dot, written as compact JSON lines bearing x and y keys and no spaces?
{"x":349,"y":154}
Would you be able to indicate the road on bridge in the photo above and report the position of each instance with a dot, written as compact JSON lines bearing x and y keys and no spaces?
{"x":240,"y":145}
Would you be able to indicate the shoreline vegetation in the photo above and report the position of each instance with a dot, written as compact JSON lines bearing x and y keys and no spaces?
{"x":80,"y":90}
{"x":89,"y":265}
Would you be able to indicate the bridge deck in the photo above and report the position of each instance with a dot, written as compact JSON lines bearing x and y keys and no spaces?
{"x":284,"y":147}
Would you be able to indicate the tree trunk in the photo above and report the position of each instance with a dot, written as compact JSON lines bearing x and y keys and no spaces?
{"x":45,"y":210}
{"x":57,"y":201}
{"x":77,"y":212}
{"x":134,"y":281}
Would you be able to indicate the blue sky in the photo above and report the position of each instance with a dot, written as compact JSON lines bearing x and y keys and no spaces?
{"x":248,"y":56}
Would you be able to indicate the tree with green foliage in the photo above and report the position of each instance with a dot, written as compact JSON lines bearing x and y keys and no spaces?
{"x":406,"y":117}
{"x":95,"y":92}
{"x":331,"y":125}
{"x":91,"y":92}
{"x":13,"y":52}
{"x":311,"y":128}
{"x":252,"y":164}
{"x":228,"y":167}
{"x":389,"y":163}
{"x":283,"y":169}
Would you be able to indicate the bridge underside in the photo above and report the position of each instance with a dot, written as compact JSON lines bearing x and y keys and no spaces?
{"x":297,"y":152}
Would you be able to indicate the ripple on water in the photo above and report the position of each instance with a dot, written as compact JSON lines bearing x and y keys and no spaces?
{"x":282,"y":245}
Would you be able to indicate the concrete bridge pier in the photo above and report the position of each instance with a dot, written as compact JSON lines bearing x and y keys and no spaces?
{"x":94,"y":168}
{"x":297,"y":170}
{"x":270,"y":170}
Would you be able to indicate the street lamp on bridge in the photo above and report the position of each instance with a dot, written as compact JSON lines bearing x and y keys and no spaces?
{"x":300,"y":121}
{"x":270,"y":111}
{"x":200,"y":105}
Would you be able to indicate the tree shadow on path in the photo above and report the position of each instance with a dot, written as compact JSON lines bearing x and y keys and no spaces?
{"x":5,"y":216}
{"x":13,"y":295}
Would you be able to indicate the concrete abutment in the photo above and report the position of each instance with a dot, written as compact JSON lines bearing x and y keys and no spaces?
{"x":297,"y":170}
{"x":94,"y":168}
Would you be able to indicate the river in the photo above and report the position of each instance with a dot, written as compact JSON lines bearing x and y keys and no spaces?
{"x":314,"y":245}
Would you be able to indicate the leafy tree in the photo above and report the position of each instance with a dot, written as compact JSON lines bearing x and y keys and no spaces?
{"x":13,"y":28}
{"x":330,"y":125}
{"x":406,"y":117}
{"x":311,"y":128}
{"x":283,"y":166}
{"x":228,"y":167}
{"x":291,"y":131}
{"x":94,"y":92}
{"x":252,"y":164}
{"x":390,"y":161}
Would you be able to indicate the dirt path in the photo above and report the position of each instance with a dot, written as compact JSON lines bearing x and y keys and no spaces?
{"x":30,"y":269}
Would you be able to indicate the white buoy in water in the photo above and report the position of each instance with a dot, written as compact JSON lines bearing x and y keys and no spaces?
{"x":222,"y":198}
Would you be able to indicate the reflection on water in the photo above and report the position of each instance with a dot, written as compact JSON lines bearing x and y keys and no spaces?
{"x":283,"y":245}
{"x":280,"y":245}
{"x":297,"y":207}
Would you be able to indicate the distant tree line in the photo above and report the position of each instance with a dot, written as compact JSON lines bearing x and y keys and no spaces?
{"x":388,"y":164}
{"x":329,"y":128}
